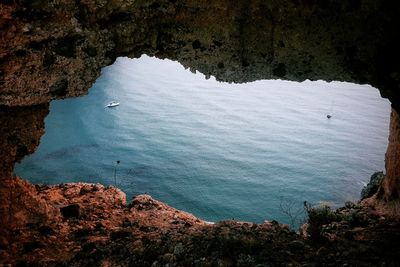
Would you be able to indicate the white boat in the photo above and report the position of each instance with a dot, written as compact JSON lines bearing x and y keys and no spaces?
{"x":113,"y":104}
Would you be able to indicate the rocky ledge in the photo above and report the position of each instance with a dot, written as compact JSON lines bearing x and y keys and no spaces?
{"x":84,"y":224}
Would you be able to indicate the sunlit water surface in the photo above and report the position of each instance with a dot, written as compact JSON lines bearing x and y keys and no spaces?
{"x":217,"y":150}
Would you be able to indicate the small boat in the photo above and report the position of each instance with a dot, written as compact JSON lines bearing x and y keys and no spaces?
{"x":113,"y":104}
{"x":328,"y":116}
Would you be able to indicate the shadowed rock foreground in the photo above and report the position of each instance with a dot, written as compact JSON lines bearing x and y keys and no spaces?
{"x":91,"y":225}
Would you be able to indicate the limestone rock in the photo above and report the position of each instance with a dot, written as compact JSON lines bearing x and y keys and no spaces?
{"x":56,"y":50}
{"x":53,"y":51}
{"x":114,"y":233}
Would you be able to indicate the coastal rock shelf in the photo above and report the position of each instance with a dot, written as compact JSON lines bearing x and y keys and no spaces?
{"x":83,"y":224}
{"x":56,"y":49}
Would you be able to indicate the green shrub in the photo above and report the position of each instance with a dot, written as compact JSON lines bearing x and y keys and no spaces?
{"x":317,"y":217}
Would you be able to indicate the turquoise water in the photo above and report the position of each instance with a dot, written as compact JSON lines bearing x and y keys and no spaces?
{"x":217,"y":150}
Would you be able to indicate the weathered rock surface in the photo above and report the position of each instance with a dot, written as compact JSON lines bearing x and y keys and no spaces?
{"x":373,"y":185}
{"x":20,"y":132}
{"x":387,"y":199}
{"x":111,"y":232}
{"x":390,"y":186}
{"x":56,"y":49}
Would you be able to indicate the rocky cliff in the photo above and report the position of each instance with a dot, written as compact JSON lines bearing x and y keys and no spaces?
{"x":20,"y":131}
{"x":92,"y":225}
{"x":55,"y":49}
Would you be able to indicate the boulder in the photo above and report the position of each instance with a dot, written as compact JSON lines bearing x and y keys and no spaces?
{"x":372,"y":187}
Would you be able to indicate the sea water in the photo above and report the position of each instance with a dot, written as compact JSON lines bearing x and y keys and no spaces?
{"x":250,"y":151}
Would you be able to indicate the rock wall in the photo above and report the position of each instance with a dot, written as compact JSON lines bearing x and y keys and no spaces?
{"x":387,"y":198}
{"x":56,"y":49}
{"x":20,"y":132}
{"x":392,"y":160}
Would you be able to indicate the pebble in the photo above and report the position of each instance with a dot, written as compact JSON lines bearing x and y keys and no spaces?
{"x":26,"y":28}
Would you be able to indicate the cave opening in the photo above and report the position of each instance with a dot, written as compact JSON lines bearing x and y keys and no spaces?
{"x":56,"y":49}
{"x":215,"y":149}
